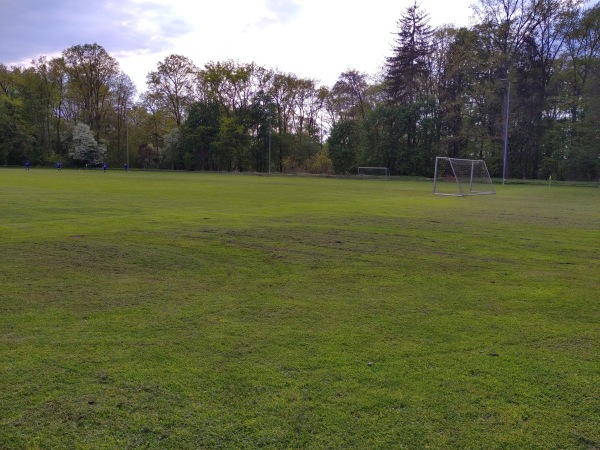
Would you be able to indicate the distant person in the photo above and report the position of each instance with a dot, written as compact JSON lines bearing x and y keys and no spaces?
{"x":27,"y":165}
{"x":126,"y":167}
{"x":104,"y":167}
{"x":58,"y":166}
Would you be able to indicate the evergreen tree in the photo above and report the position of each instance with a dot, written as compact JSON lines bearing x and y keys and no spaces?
{"x":407,"y":70}
{"x":408,"y":86}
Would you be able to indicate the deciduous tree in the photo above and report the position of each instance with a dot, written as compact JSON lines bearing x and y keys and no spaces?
{"x":85,"y":149}
{"x":174,"y":84}
{"x":91,"y":71}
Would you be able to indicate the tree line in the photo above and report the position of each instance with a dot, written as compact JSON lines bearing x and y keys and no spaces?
{"x":524,"y":77}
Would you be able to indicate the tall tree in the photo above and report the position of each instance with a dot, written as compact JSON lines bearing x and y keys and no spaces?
{"x":582,"y":42}
{"x":407,"y":79}
{"x":174,"y":83}
{"x":453,"y":81}
{"x":350,"y":92}
{"x":233,"y":85}
{"x":123,"y":91}
{"x":507,"y":26}
{"x":344,"y":143}
{"x":407,"y":70}
{"x":282,"y":92}
{"x":581,"y":99}
{"x":58,"y":79}
{"x":91,"y":71}
{"x":200,"y":131}
{"x":15,"y":134}
{"x":37,"y":92}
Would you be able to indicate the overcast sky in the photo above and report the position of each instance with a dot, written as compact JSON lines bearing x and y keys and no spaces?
{"x":316,"y":39}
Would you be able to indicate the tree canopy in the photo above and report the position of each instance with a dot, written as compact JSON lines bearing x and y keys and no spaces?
{"x":442,"y":92}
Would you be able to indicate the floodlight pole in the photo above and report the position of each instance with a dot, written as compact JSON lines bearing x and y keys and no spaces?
{"x":127,"y":135}
{"x":506,"y":106}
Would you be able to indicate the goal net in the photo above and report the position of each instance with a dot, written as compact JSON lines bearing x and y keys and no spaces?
{"x":460,"y":177}
{"x":373,"y":172}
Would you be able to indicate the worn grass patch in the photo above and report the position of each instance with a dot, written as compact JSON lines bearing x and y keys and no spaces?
{"x":171,"y":310}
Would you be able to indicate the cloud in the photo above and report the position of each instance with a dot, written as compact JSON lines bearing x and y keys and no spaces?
{"x":284,"y":10}
{"x":280,"y":12}
{"x":32,"y":28}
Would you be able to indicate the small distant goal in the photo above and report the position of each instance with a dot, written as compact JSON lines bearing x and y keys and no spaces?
{"x":374,"y":172}
{"x":460,"y":177}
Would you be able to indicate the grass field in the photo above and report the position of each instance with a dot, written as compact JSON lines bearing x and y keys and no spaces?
{"x":178,"y":310}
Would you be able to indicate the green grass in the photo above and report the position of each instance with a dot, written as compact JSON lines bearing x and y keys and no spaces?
{"x":175,"y":310}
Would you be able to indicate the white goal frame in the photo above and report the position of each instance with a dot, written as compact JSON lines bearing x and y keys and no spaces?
{"x":373,"y":172}
{"x":461,"y":177}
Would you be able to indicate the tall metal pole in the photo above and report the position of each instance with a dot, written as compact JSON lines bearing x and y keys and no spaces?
{"x":506,"y":106}
{"x":269,"y":145}
{"x":127,"y":136}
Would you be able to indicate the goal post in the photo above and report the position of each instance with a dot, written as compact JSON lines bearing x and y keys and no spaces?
{"x":374,"y":172}
{"x":460,"y":177}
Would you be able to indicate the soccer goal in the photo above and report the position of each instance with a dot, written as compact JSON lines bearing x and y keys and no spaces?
{"x":461,"y":177}
{"x":374,"y":172}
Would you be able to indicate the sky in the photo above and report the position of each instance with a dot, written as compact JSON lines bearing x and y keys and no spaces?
{"x":317,"y":39}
